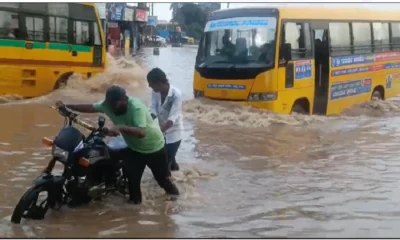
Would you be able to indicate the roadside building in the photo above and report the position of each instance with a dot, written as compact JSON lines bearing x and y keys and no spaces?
{"x":123,"y":24}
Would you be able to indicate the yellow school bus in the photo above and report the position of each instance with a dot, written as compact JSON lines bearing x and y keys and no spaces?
{"x":296,"y":59}
{"x":43,"y":44}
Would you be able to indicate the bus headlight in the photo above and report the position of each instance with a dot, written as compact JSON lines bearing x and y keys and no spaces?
{"x":197,"y":93}
{"x":262,"y":96}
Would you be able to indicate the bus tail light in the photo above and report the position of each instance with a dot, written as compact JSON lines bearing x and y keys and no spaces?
{"x":263,"y":96}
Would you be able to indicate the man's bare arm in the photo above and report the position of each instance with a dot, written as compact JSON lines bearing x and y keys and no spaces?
{"x":133,"y":131}
{"x":166,"y":126}
{"x":83,"y":108}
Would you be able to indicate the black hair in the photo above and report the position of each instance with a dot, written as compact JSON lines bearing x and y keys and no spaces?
{"x":157,"y":75}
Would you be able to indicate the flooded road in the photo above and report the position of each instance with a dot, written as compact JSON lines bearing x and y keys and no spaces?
{"x":245,"y":173}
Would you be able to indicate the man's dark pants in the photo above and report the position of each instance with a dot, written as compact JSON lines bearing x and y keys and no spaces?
{"x":172,"y":149}
{"x":134,"y":164}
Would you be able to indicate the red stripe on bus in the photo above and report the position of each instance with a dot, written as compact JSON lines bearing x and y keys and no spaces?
{"x":47,"y":63}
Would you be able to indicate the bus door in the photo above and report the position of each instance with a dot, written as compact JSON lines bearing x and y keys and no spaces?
{"x":97,"y":45}
{"x":321,"y":50}
{"x":296,"y":62}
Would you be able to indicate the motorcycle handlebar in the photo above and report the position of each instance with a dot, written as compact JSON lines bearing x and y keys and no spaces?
{"x":73,"y":117}
{"x":84,"y":124}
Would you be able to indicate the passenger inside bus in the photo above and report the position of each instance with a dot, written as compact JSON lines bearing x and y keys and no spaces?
{"x":11,"y":33}
{"x":241,"y":49}
{"x":228,"y":48}
{"x":254,"y":50}
{"x":8,"y":31}
{"x":267,"y":52}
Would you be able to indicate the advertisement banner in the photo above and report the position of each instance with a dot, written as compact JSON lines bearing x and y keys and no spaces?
{"x":152,"y":21}
{"x":140,"y":15}
{"x":128,"y":14}
{"x":101,"y":9}
{"x":350,"y":88}
{"x":115,"y":11}
{"x":303,"y":69}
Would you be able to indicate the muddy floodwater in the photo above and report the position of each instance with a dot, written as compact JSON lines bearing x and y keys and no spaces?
{"x":244,"y":172}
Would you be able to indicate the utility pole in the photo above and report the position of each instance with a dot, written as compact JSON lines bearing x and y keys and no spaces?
{"x":151,"y":27}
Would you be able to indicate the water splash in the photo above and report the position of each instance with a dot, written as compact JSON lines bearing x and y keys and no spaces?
{"x":374,"y":108}
{"x":226,"y":113}
{"x":123,"y":72}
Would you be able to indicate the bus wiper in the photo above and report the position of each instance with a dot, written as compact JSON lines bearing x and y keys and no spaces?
{"x":220,"y":61}
{"x":250,"y":61}
{"x":242,"y":62}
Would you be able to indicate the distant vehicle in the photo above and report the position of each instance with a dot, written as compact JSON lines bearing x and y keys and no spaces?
{"x":157,"y":40}
{"x":188,"y":40}
{"x":161,"y":40}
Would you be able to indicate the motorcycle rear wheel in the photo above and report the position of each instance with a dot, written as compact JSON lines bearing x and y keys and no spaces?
{"x":27,"y":206}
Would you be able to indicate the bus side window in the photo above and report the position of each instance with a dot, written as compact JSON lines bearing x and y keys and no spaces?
{"x":9,"y":25}
{"x":340,"y":41}
{"x":362,"y":39}
{"x":58,"y":29}
{"x":299,"y":36}
{"x":34,"y":28}
{"x":381,"y":37}
{"x":395,"y":41}
{"x":81,"y":32}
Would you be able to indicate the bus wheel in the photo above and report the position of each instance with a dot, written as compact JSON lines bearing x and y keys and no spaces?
{"x":301,"y":106}
{"x":377,"y":94}
{"x":62,"y":80}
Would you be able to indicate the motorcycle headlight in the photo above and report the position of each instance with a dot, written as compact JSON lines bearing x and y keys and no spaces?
{"x":59,"y":153}
{"x":93,"y":153}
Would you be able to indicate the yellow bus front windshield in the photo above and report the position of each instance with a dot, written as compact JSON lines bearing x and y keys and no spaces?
{"x":242,"y":42}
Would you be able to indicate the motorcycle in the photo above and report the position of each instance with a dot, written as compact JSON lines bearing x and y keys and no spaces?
{"x":89,"y":165}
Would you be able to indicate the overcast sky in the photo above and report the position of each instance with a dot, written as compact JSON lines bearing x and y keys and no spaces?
{"x":162,"y":9}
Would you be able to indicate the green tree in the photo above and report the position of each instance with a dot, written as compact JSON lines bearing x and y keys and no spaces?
{"x":192,"y":19}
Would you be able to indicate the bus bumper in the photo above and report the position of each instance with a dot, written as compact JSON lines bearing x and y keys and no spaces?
{"x":273,"y":106}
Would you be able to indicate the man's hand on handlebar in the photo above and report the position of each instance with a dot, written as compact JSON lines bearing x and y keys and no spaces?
{"x":59,"y":104}
{"x":111,"y":132}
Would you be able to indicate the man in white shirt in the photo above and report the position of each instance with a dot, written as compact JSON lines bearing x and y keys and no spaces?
{"x":167,"y":107}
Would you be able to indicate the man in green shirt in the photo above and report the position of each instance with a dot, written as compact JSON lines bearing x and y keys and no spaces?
{"x":146,"y":144}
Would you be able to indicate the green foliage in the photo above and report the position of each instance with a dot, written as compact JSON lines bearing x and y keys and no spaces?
{"x":192,"y":19}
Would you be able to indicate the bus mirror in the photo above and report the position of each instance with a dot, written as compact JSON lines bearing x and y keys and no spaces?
{"x":287,"y":52}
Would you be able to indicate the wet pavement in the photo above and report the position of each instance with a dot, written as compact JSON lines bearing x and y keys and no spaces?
{"x":245,"y":173}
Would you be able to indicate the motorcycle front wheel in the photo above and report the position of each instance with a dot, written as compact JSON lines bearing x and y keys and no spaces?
{"x":28,"y":208}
